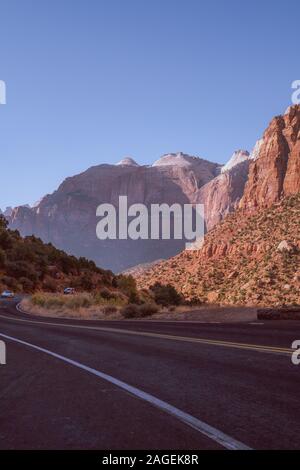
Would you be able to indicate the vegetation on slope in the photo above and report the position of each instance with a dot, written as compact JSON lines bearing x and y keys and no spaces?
{"x":29,"y":265}
{"x":245,"y":260}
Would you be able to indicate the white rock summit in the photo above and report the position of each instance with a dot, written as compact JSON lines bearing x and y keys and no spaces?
{"x":237,"y":157}
{"x":127,"y":161}
{"x":179,"y":159}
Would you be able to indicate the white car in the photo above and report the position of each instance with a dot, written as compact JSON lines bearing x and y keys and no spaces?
{"x":7,"y":294}
{"x":69,"y":291}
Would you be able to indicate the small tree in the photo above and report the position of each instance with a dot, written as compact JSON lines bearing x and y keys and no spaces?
{"x":165,"y":294}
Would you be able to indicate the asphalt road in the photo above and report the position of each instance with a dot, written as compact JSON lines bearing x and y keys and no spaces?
{"x":147,"y":385}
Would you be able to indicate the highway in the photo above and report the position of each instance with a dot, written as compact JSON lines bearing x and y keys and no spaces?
{"x":71,"y":384}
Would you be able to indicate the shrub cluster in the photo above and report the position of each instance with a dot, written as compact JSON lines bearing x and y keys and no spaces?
{"x":139,"y":311}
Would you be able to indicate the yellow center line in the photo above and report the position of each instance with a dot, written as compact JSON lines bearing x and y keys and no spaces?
{"x":206,"y":341}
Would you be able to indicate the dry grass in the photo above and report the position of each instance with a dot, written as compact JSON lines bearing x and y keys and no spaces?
{"x":80,"y":306}
{"x":112,"y":312}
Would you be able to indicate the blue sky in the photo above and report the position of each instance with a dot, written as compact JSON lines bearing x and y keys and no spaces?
{"x":91,"y":81}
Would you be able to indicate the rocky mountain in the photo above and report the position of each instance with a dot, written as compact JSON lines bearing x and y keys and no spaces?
{"x":67,"y":218}
{"x":253,"y":256}
{"x":7,"y":212}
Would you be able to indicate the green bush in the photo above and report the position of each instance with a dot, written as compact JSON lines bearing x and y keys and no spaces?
{"x":165,"y":295}
{"x":126,"y":284}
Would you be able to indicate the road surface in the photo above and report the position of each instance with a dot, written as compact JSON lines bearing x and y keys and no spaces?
{"x":147,"y":385}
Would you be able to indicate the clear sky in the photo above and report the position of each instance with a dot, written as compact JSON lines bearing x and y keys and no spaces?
{"x":90,"y":81}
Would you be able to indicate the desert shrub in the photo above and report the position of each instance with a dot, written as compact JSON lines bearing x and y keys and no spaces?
{"x":78,"y":301}
{"x":10,"y":282}
{"x":86,"y":283}
{"x":3,"y":222}
{"x":139,"y":311}
{"x":126,"y":284}
{"x":38,"y":299}
{"x":130,"y":311}
{"x":145,"y":310}
{"x":20,"y":269}
{"x":134,"y":298}
{"x":107,"y":294}
{"x":2,"y":258}
{"x":165,"y":294}
{"x":54,"y":302}
{"x":6,"y":240}
{"x":27,"y":284}
{"x":49,"y":285}
{"x":109,"y":309}
{"x":194,"y":301}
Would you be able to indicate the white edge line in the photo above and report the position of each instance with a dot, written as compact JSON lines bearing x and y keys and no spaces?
{"x":212,"y":433}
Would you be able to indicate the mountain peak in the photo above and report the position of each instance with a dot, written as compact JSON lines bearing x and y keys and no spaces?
{"x":127,"y":161}
{"x":237,"y":157}
{"x":179,"y":159}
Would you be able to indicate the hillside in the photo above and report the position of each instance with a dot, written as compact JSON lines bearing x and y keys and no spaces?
{"x":247,"y":259}
{"x":27,"y":265}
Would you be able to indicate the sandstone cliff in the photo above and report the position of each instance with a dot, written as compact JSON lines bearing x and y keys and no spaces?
{"x":275,"y":172}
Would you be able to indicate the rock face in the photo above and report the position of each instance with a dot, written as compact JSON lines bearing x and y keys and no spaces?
{"x":275,"y":172}
{"x":7,"y":212}
{"x":222,"y":194}
{"x":67,"y":218}
{"x":238,"y":157}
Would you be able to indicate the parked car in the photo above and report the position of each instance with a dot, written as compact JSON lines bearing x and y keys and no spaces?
{"x":7,"y":294}
{"x":69,"y":291}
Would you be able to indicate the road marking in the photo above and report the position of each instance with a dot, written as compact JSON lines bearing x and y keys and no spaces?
{"x":212,"y":433}
{"x":255,"y":323}
{"x":209,"y":342}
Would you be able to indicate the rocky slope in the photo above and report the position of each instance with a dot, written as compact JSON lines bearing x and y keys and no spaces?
{"x":251,"y":259}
